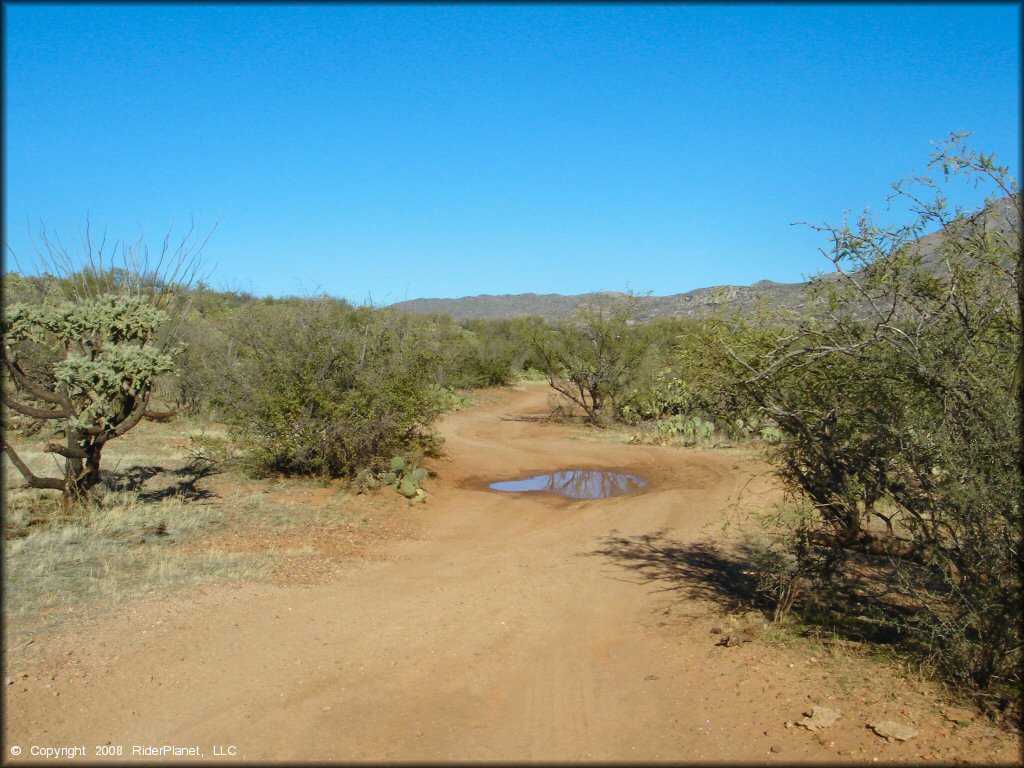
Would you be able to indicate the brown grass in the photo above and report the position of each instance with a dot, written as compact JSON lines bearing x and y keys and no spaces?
{"x":168,"y":520}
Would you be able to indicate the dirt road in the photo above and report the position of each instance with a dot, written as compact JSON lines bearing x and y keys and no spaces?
{"x":513,"y":627}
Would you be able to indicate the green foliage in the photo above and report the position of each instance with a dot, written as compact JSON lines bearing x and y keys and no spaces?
{"x":686,"y":391}
{"x":596,"y":357}
{"x":405,"y":478}
{"x":90,"y":366}
{"x":451,"y":400}
{"x":690,"y":428}
{"x":366,"y":480}
{"x":197,"y":376}
{"x":105,"y":350}
{"x":481,"y":353}
{"x":899,"y":422}
{"x":86,"y":340}
{"x":317,"y":387}
{"x":659,"y":395}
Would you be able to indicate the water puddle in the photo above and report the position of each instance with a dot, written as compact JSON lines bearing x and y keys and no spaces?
{"x":576,"y":483}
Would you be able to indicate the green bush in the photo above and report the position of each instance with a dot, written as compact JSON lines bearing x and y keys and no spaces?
{"x":899,"y":416}
{"x":314,"y":386}
{"x":595,"y":359}
{"x":480,"y":352}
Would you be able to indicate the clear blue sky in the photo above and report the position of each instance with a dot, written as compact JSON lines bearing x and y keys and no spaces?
{"x":387,"y":152}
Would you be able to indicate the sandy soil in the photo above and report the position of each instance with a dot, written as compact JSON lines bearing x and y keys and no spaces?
{"x":520,"y":627}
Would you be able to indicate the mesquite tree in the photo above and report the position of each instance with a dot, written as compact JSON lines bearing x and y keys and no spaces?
{"x":595,"y":356}
{"x":896,"y":396}
{"x":86,"y":353}
{"x":903,"y":368}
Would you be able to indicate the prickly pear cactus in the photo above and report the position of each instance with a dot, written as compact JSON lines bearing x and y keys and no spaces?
{"x":406,"y":479}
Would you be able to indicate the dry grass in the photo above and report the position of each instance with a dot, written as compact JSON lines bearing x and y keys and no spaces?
{"x":115,"y":549}
{"x":165,"y":522}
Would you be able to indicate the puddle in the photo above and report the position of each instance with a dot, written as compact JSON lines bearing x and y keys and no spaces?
{"x":576,"y":483}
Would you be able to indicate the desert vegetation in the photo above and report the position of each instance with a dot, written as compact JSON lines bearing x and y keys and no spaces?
{"x":898,"y":406}
{"x":147,"y":386}
{"x":85,"y":349}
{"x":888,"y":406}
{"x":893,"y":400}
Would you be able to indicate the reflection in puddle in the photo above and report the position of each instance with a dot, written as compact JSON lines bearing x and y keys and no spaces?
{"x":576,"y":483}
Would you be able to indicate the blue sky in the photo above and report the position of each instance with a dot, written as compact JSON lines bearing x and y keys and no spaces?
{"x":385,"y":152}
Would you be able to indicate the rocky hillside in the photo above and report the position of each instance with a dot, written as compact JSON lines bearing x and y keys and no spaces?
{"x":554,"y":306}
{"x":999,"y":217}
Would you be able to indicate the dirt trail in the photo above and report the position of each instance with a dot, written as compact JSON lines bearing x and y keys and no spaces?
{"x":509,"y":629}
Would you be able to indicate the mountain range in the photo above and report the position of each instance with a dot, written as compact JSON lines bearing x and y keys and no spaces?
{"x":1000,"y":216}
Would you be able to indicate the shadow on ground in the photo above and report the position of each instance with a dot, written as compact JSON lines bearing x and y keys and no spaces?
{"x":696,"y":569}
{"x":155,"y":483}
{"x":862,"y":600}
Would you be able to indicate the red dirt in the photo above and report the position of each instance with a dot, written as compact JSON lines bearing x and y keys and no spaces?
{"x":499,"y":632}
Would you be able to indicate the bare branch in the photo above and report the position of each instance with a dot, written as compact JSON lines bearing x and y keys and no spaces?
{"x":133,"y":418}
{"x":162,"y":415}
{"x":26,"y":410}
{"x":66,"y":451}
{"x":33,"y":480}
{"x":22,"y":380}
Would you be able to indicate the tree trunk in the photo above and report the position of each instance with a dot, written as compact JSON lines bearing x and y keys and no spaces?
{"x":81,"y":475}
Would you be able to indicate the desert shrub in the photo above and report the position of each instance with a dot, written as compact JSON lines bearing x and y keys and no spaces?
{"x":315,"y":386}
{"x":475,"y":358}
{"x":481,"y":352}
{"x":595,"y":358}
{"x":685,"y":391}
{"x":898,"y":408}
{"x":660,"y":395}
{"x":198,"y":361}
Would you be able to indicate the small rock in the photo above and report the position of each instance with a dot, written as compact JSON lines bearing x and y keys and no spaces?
{"x":716,"y":630}
{"x":327,"y":709}
{"x":776,"y":748}
{"x":959,"y":715}
{"x":889,"y":729}
{"x":818,"y":717}
{"x":737,"y":638}
{"x":10,"y":681}
{"x":651,"y":677}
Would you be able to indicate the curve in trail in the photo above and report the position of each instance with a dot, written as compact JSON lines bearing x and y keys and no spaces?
{"x":496,"y":635}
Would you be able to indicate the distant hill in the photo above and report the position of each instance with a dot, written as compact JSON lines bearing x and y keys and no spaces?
{"x":692,"y":304}
{"x":555,"y":306}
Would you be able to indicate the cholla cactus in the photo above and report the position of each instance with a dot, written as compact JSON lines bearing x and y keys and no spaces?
{"x":94,"y":376}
